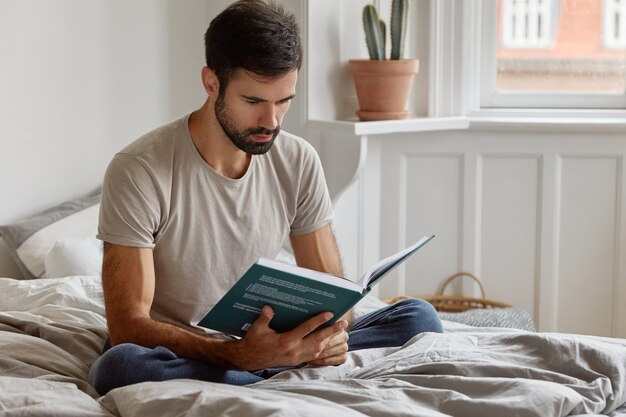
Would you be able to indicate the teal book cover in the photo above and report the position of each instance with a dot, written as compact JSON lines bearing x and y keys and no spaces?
{"x":294,"y":293}
{"x":293,"y":297}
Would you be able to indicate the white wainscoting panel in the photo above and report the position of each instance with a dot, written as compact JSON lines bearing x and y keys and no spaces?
{"x":428,"y":207}
{"x":509,"y":227}
{"x":538,"y":216}
{"x":588,"y":233}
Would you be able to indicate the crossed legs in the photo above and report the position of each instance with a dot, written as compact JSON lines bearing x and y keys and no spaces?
{"x":127,"y":364}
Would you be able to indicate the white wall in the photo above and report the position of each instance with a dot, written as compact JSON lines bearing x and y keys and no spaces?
{"x":80,"y":79}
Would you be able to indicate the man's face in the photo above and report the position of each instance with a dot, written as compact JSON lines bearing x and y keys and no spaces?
{"x":252,"y":108}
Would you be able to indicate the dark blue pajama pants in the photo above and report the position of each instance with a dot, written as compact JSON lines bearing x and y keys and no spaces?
{"x":127,"y":364}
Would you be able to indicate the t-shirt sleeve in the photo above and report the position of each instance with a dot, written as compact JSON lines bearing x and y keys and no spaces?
{"x":314,"y":207}
{"x":129,"y":211}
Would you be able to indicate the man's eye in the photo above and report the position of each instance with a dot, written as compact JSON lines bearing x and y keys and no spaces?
{"x":252,"y":102}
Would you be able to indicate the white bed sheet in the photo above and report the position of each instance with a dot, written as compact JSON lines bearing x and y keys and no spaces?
{"x":51,"y":330}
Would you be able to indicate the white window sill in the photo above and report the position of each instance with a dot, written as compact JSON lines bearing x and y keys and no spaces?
{"x":420,"y":124}
{"x":548,"y":120}
{"x":551,"y":120}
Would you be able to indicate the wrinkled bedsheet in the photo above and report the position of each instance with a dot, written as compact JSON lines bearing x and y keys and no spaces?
{"x":51,"y":330}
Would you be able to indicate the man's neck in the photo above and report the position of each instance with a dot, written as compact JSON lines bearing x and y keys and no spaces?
{"x":214,"y":146}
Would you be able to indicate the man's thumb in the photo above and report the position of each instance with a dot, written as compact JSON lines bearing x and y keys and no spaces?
{"x":266,"y":315}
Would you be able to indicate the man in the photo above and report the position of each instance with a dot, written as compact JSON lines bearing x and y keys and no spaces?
{"x":187,"y":208}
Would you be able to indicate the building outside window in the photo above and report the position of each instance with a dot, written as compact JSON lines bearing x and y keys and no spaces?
{"x":561,"y":46}
{"x":526,"y":23}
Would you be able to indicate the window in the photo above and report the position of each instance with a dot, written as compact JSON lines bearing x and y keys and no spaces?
{"x":554,"y":54}
{"x":517,"y":57}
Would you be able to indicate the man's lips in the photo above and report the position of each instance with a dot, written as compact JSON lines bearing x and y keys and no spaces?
{"x":261,"y":138}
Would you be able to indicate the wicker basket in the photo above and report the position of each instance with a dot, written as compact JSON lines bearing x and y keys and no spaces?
{"x":455,"y":303}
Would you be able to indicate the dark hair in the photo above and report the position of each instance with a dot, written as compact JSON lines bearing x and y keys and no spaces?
{"x":255,"y":36}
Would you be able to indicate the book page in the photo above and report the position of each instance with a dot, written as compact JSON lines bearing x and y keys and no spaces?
{"x":311,"y":274}
{"x":382,"y":267}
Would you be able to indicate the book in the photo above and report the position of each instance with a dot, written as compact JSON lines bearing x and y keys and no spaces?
{"x":294,"y":293}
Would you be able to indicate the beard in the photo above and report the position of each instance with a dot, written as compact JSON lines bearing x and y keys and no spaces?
{"x":241,"y":138}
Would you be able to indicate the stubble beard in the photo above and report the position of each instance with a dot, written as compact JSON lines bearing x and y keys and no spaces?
{"x":240,"y":139}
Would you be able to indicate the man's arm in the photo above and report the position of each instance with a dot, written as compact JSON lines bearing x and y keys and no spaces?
{"x":128,"y":282}
{"x":319,"y":251}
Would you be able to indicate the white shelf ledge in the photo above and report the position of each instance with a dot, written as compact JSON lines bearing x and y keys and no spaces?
{"x":553,"y":120}
{"x":358,"y":128}
{"x":551,"y":125}
{"x":514,"y":119}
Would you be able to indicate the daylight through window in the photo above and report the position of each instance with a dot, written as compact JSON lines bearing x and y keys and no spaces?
{"x":561,"y":46}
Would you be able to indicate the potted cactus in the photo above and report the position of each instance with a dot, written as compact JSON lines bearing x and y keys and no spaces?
{"x":383,"y":85}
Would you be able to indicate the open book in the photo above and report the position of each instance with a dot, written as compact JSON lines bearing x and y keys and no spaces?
{"x":294,"y":293}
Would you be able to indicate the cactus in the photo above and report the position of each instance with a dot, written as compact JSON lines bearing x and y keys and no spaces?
{"x":383,"y":32}
{"x":376,"y":30}
{"x":399,"y":23}
{"x":373,"y":32}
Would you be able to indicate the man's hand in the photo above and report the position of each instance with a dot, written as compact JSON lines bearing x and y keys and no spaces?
{"x":336,"y":351}
{"x":262,"y":347}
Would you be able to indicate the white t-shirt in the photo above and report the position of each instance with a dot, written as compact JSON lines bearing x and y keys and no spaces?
{"x":207,"y":229}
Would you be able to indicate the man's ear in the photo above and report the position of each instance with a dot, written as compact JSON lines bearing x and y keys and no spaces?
{"x":210,"y":82}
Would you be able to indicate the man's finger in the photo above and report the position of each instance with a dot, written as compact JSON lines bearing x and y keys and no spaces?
{"x":343,"y":325}
{"x":331,"y":351}
{"x":311,"y":324}
{"x":330,"y":331}
{"x":265,"y":317}
{"x":331,"y":360}
{"x":337,"y":344}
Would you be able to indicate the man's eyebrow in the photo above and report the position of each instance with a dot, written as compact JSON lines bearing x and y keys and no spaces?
{"x":262,"y":100}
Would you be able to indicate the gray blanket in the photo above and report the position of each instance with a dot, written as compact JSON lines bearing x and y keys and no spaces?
{"x":52,"y":330}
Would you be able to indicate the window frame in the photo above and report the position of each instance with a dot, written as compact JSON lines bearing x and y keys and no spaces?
{"x":609,"y":24}
{"x":491,"y":98}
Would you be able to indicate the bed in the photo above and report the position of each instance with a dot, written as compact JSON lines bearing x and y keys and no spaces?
{"x":52,"y":329}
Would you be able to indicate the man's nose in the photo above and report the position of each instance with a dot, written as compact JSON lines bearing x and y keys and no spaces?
{"x":269,"y":117}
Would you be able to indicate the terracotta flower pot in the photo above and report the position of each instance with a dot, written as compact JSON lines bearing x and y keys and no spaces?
{"x":383,"y":87}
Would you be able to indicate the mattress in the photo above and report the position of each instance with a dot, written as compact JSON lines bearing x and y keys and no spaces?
{"x":51,"y":330}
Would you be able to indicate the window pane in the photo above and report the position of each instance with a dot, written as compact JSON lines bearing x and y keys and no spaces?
{"x":573,"y":46}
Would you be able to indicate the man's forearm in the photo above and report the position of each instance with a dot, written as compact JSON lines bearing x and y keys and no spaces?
{"x":184,"y":343}
{"x":261,"y":348}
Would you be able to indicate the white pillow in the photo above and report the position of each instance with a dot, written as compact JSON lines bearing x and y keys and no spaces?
{"x":29,"y":240}
{"x":72,"y":257}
